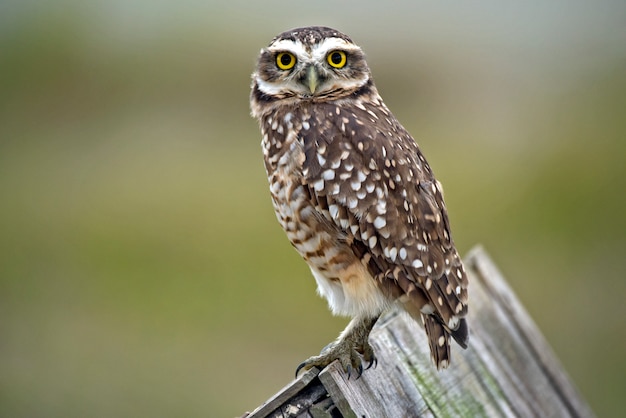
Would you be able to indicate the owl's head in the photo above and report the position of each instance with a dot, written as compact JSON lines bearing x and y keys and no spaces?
{"x":312,"y":63}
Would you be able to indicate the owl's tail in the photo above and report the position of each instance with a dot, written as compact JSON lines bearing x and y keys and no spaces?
{"x":439,"y":338}
{"x":418,"y":303}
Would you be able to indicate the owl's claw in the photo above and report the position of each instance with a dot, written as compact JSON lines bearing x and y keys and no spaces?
{"x":351,"y":350}
{"x":349,"y":370}
{"x":368,"y":355}
{"x":372,"y":362}
{"x":344,"y":352}
{"x":360,"y":372}
{"x":301,"y":366}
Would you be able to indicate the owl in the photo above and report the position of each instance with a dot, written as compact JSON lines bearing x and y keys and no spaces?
{"x":355,"y":196}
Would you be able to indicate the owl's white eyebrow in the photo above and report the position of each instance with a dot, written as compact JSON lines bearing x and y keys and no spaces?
{"x":319,"y":51}
{"x":330,"y":44}
{"x":296,"y":47}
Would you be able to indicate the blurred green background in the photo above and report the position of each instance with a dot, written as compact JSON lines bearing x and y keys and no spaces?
{"x":142,"y":271}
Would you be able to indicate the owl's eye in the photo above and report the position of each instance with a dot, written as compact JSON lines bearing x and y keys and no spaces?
{"x":285,"y":60}
{"x":337,"y":59}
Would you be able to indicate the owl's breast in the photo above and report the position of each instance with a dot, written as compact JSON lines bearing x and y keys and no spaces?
{"x":284,"y":159}
{"x":342,"y":279}
{"x":302,"y":214}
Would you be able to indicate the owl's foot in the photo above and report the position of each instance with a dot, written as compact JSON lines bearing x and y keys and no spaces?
{"x":351,"y":349}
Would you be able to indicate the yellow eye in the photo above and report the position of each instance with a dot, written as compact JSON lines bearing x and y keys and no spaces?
{"x":337,"y":59}
{"x":285,"y":61}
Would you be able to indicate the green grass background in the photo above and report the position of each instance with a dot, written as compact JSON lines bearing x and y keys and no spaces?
{"x":142,"y":271}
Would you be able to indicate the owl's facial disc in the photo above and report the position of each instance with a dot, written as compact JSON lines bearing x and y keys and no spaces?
{"x":330,"y":68}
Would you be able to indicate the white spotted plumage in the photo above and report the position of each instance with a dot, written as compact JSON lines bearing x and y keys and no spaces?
{"x":353,"y":191}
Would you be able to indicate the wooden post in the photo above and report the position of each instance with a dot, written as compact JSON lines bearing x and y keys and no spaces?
{"x":508,"y":369}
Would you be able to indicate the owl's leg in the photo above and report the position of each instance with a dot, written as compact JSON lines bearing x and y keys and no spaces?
{"x":348,"y":348}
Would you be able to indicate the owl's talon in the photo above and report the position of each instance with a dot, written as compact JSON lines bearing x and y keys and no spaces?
{"x":347,"y":356}
{"x":300,"y":367}
{"x":360,"y":371}
{"x":352,"y":350}
{"x":372,"y":362}
{"x":348,"y":370}
{"x":368,"y":355}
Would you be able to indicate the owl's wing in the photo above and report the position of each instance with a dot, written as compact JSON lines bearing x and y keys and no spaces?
{"x":381,"y":193}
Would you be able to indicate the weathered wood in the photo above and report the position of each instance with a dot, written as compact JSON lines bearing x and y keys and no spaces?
{"x":508,"y":369}
{"x":303,"y":394}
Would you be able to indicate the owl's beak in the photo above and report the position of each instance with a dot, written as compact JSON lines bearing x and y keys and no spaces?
{"x":312,"y":79}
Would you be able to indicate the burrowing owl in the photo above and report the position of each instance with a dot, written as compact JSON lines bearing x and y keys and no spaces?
{"x":355,"y":195}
